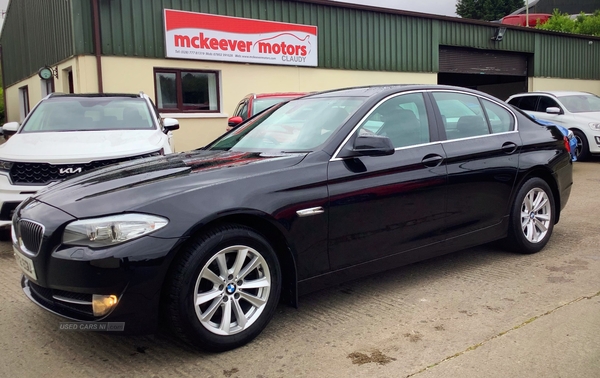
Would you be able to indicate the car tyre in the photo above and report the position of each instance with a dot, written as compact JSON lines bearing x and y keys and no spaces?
{"x":532,"y":217}
{"x":224,"y":288}
{"x":5,"y":234}
{"x":583,"y":147}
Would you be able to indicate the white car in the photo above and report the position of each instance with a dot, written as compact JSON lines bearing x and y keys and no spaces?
{"x":66,"y":134}
{"x":577,"y":111}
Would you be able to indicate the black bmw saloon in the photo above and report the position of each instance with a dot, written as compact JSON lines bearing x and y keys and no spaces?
{"x":311,"y":192}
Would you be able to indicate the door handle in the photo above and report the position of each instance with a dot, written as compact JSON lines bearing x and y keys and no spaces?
{"x":432,"y":160}
{"x":509,"y":147}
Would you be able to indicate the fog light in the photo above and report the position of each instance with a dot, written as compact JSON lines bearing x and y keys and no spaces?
{"x":102,"y":304}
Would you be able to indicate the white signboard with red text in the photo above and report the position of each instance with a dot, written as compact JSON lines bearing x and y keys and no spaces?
{"x":204,"y":36}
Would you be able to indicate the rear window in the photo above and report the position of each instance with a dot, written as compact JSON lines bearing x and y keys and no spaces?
{"x":89,"y":113}
{"x":261,"y":104}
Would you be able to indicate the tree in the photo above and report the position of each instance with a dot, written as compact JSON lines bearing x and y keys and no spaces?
{"x":487,"y":10}
{"x":583,"y":24}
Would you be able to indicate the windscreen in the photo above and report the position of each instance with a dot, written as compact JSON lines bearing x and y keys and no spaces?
{"x":299,"y":125}
{"x":581,"y":103}
{"x":89,"y":113}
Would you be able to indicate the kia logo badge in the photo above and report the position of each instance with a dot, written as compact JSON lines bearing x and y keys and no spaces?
{"x":69,"y":170}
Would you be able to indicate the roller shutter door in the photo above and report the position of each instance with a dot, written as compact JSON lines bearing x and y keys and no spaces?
{"x":472,"y":61}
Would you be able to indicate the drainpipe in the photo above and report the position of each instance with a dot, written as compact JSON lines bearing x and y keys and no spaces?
{"x":3,"y":85}
{"x":97,"y":43}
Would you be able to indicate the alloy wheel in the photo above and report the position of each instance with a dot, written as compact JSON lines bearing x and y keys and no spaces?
{"x":535,"y":215}
{"x":232,"y":290}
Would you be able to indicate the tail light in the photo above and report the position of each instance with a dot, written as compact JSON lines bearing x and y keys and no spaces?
{"x":567,"y":145}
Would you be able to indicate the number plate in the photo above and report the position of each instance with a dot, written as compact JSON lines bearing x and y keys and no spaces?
{"x":26,"y":264}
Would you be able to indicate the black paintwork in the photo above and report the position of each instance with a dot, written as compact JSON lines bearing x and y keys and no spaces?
{"x":380,"y":211}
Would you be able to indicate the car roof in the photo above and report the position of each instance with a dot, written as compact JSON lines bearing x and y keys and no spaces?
{"x":553,"y":93}
{"x":375,"y":90}
{"x":93,"y":95}
{"x":279,"y":94}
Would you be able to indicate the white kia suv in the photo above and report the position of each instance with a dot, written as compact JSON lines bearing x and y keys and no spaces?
{"x":577,"y":111}
{"x":66,"y":134}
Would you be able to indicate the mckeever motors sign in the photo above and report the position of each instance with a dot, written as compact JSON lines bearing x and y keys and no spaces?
{"x":204,"y":36}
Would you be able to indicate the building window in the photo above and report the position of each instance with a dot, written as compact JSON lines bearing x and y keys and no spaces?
{"x":67,"y":80}
{"x":24,"y":102}
{"x":186,"y":90}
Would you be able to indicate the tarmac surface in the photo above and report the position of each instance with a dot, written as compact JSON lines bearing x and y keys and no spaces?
{"x":481,"y":312}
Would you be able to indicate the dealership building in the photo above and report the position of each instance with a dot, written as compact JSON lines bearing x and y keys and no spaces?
{"x":198,"y":58}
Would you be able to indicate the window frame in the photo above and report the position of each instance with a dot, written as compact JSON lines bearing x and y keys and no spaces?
{"x":24,"y":108}
{"x":442,"y":127}
{"x":537,"y":106}
{"x":179,"y":90}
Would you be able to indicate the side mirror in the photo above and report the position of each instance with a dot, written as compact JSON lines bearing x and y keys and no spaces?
{"x":9,"y":129}
{"x":553,"y":110}
{"x":234,"y":121}
{"x":369,"y":145}
{"x":171,"y":124}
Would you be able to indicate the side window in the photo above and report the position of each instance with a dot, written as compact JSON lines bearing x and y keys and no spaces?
{"x":244,"y":110}
{"x":403,"y":119}
{"x":462,"y":115}
{"x":501,"y":120}
{"x":237,"y":112}
{"x":515,"y":101}
{"x":528,"y":103}
{"x":545,"y":103}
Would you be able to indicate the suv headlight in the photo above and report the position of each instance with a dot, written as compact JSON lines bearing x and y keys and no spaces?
{"x":5,"y":166}
{"x":595,"y":126}
{"x":111,"y":230}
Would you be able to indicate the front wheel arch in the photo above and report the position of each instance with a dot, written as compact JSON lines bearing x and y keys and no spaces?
{"x":585,"y":144}
{"x":283,"y":249}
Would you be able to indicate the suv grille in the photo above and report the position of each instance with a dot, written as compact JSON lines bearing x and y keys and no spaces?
{"x":31,"y":234}
{"x":44,"y":173}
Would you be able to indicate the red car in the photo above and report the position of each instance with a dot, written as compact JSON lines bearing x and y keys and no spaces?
{"x":255,"y":103}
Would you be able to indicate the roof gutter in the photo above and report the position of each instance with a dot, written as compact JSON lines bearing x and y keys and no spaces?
{"x":97,"y":43}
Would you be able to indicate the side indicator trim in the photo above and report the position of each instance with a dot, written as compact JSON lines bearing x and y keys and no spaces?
{"x":311,"y":211}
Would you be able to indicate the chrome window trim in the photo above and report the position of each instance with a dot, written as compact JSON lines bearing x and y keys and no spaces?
{"x":502,"y":104}
{"x":423,"y":91}
{"x":363,"y":119}
{"x":477,"y":137}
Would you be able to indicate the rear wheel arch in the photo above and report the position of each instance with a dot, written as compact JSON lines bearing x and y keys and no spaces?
{"x":544,"y":174}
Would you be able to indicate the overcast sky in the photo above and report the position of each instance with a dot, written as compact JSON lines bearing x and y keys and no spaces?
{"x":3,"y":6}
{"x":443,"y":7}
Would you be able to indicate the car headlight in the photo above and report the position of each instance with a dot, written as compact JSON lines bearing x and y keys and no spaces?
{"x":595,"y":126}
{"x":111,"y":230}
{"x":5,"y":166}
